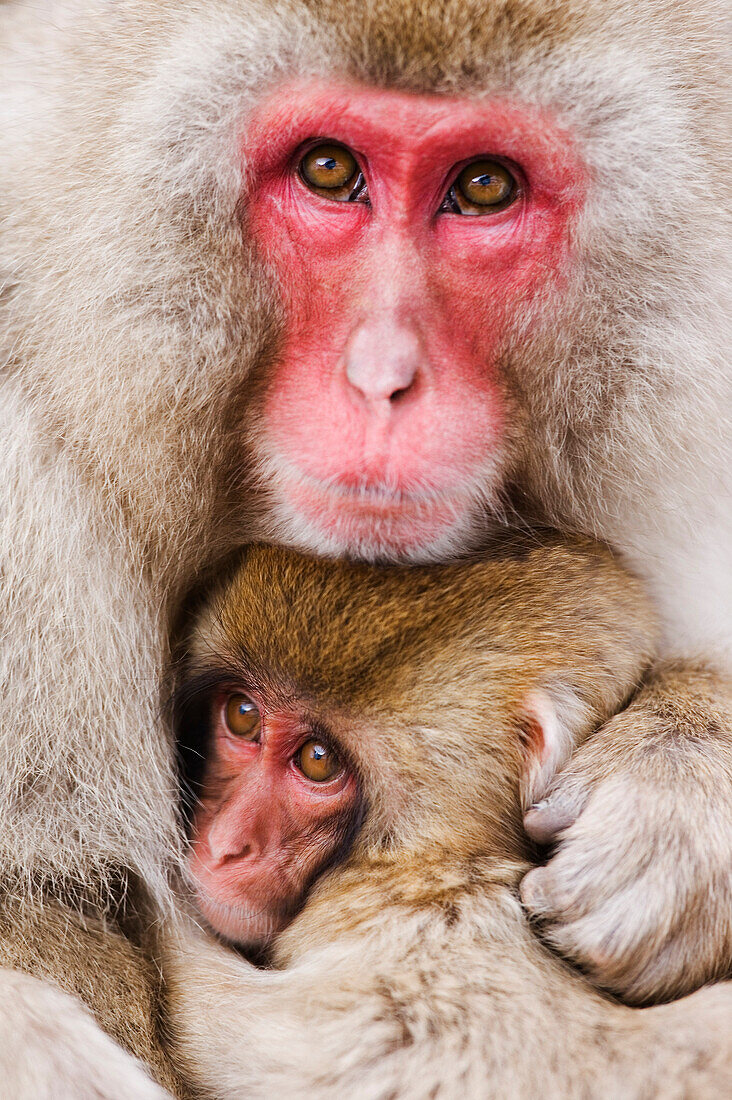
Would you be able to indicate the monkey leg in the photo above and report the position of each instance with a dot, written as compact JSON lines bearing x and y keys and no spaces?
{"x":99,"y":965}
{"x":51,"y":1048}
{"x":639,"y":888}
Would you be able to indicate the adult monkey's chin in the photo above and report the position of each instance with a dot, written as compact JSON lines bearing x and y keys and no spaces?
{"x":379,"y":524}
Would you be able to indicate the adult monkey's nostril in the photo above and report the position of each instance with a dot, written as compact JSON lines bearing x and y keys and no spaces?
{"x":394,"y":397}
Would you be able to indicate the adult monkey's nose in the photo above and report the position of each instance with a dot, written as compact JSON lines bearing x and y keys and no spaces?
{"x":383,"y":359}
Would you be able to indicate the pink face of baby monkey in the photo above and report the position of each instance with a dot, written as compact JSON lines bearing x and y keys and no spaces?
{"x":276,"y":806}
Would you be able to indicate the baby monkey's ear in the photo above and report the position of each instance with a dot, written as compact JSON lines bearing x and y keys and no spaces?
{"x":551,"y":722}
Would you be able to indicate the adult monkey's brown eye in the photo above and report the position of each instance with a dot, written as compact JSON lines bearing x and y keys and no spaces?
{"x":482,"y":187}
{"x":317,"y":762}
{"x":333,"y":171}
{"x":243,"y":717}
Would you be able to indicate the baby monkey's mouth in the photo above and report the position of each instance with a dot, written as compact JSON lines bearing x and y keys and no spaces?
{"x":249,"y":925}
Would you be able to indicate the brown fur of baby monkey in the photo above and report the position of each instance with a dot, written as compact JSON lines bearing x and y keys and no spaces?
{"x":411,"y":971}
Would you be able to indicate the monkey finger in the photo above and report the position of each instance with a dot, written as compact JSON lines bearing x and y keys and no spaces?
{"x":543,"y":897}
{"x":532,"y":892}
{"x":585,"y":872}
{"x":575,"y":882}
{"x":546,"y":819}
{"x":616,"y":939}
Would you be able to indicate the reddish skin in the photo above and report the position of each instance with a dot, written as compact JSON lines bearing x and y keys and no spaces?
{"x":262,"y":830}
{"x":399,"y":299}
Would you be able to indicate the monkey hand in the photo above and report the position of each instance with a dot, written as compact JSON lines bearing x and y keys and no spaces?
{"x":638,"y":890}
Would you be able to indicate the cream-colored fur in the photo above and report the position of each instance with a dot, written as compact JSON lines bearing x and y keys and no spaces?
{"x":52,"y":1049}
{"x":131,"y":316}
{"x":412,"y":1007}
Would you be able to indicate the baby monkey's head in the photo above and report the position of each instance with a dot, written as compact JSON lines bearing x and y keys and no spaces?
{"x":331,"y":710}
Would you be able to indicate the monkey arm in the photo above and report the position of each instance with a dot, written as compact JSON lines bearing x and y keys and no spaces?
{"x":417,"y":1005}
{"x":231,"y":1026}
{"x":59,"y":823}
{"x":639,"y":891}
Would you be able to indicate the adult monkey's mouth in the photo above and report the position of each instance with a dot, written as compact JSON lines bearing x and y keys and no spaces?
{"x":379,"y":521}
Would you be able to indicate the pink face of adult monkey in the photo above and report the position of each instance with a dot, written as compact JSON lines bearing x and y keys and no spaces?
{"x":407,"y":233}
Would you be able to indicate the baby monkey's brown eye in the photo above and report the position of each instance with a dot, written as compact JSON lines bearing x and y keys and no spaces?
{"x":332,"y":171}
{"x":243,"y":717}
{"x":317,"y":762}
{"x":483,"y":187}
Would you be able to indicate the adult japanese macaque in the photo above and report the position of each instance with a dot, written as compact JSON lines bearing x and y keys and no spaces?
{"x":372,"y":278}
{"x":383,"y":730}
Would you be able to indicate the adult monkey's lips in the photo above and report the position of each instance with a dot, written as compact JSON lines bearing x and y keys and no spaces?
{"x":374,"y":520}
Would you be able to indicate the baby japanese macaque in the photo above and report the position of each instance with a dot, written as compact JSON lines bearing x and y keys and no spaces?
{"x":275,"y":810}
{"x":360,"y":745}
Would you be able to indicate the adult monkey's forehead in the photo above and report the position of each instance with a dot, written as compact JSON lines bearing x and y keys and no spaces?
{"x":427,"y":47}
